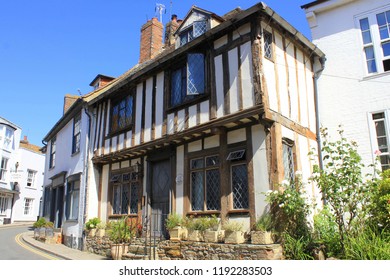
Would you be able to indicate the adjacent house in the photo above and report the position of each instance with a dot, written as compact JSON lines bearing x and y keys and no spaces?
{"x":354,"y":86}
{"x":31,"y":163}
{"x":221,"y":112}
{"x":21,"y":176}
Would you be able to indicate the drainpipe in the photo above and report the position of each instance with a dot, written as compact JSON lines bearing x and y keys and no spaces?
{"x":86,"y":169}
{"x":318,"y":123}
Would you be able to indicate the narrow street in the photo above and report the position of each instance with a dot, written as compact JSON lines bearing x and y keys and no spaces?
{"x":12,"y":247}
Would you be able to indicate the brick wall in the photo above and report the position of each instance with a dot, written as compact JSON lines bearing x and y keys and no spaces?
{"x":151,"y":39}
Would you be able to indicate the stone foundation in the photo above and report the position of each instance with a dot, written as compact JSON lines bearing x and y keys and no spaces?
{"x":191,"y":250}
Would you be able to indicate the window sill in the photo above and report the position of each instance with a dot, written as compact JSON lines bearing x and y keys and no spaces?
{"x":31,"y":188}
{"x":116,"y":133}
{"x":374,"y":76}
{"x":201,"y":213}
{"x":200,"y":98}
{"x":118,"y":216}
{"x":72,"y":221}
{"x":239,"y":211}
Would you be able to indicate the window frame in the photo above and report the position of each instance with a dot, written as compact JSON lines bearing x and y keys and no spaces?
{"x":374,"y":135}
{"x":133,"y":198}
{"x":9,"y":140}
{"x":233,"y":163}
{"x":291,"y":166}
{"x":53,"y":148}
{"x":187,"y":97}
{"x":204,"y":169}
{"x":31,"y":178}
{"x":73,"y":200}
{"x":76,"y":136}
{"x":116,"y":102}
{"x":268,"y":45}
{"x":28,"y":206}
{"x":4,"y":169}
{"x":4,"y":202}
{"x":189,"y":32}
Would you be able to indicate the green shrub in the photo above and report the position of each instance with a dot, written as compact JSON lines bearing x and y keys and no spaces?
{"x":119,"y":231}
{"x":368,"y":245}
{"x":264,"y":223}
{"x":326,"y":232}
{"x":296,"y":248}
{"x":92,"y":223}
{"x":173,"y":220}
{"x":213,"y":223}
{"x":40,"y":223}
{"x":232,"y":226}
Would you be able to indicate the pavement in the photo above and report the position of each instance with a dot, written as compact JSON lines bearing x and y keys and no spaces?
{"x":59,"y":250}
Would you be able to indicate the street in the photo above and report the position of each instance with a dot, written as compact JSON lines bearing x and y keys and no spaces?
{"x":12,"y":246}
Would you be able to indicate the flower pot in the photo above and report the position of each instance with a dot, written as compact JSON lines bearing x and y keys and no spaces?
{"x":101,"y":232}
{"x":213,"y":236}
{"x":42,"y":233}
{"x":195,"y":235}
{"x":117,"y":250}
{"x":92,"y":232}
{"x":261,"y":237}
{"x":177,"y":233}
{"x":234,"y":237}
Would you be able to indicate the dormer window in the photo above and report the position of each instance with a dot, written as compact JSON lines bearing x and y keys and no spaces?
{"x":196,"y":29}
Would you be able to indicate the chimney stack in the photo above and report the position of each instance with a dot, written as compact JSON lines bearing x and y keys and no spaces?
{"x":151,"y":39}
{"x":68,"y":101}
{"x":170,"y":29}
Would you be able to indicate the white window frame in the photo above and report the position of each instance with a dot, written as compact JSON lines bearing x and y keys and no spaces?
{"x":31,"y":179}
{"x":373,"y":135}
{"x":3,"y":169}
{"x":8,"y":140}
{"x":3,"y":204}
{"x":28,"y":206}
{"x":376,"y":40}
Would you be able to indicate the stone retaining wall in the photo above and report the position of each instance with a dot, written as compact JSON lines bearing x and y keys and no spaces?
{"x":189,"y":250}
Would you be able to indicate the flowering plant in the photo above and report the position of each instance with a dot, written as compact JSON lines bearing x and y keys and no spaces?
{"x":289,"y":208}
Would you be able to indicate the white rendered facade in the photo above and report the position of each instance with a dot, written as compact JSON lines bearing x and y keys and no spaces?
{"x":354,"y":86}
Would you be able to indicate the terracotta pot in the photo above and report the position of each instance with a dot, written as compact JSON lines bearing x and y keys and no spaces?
{"x":117,"y":250}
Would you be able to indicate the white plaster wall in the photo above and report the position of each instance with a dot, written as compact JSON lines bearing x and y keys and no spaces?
{"x":346,"y":94}
{"x":180,"y":182}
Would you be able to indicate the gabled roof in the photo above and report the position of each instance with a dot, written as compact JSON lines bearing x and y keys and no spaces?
{"x":167,"y":55}
{"x":30,"y":147}
{"x":202,"y":11}
{"x":101,"y":76}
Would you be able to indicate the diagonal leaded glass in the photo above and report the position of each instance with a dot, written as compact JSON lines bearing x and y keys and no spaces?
{"x":197,"y":191}
{"x":213,"y":189}
{"x":134,"y":198}
{"x":240,"y":187}
{"x":125,"y":199}
{"x":200,"y":27}
{"x":267,"y":44}
{"x":288,"y":163}
{"x":178,"y":88}
{"x":116,"y":203}
{"x":195,"y":73}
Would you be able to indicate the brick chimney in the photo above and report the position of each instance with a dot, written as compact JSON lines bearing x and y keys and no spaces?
{"x":151,"y":39}
{"x":170,"y":29}
{"x":68,"y":101}
{"x":100,"y":81}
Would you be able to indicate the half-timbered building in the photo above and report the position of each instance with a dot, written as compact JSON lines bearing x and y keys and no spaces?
{"x":215,"y":114}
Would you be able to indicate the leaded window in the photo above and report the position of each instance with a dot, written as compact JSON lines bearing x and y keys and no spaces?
{"x":288,"y":162}
{"x":268,"y":53}
{"x":196,"y":29}
{"x":205,"y":183}
{"x":239,"y":180}
{"x":122,"y":113}
{"x":188,"y":80}
{"x":125,"y":193}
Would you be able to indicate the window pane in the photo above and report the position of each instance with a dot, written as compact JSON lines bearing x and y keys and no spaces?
{"x":366,"y":37}
{"x":213,"y":186}
{"x":212,"y":161}
{"x":75,"y":205}
{"x":384,"y":33}
{"x":364,"y":25}
{"x":197,"y":163}
{"x":125,"y":199}
{"x":129,"y":110}
{"x":240,"y":187}
{"x":176,"y":91}
{"x":183,"y":39}
{"x":267,"y":44}
{"x":381,"y":18}
{"x":116,"y":200}
{"x":200,"y":27}
{"x":134,"y":198}
{"x":370,"y":57}
{"x":195,"y":74}
{"x":386,"y":49}
{"x":197,"y":191}
{"x":288,"y":163}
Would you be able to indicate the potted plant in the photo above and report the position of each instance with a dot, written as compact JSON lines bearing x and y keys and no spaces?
{"x":262,"y":233}
{"x":91,"y":226}
{"x":233,"y":232}
{"x":120,"y":235}
{"x":40,"y":228}
{"x":174,"y":225}
{"x":101,"y":229}
{"x":196,"y":228}
{"x":212,"y":233}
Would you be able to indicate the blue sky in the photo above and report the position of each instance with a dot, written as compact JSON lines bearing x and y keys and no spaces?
{"x":49,"y":48}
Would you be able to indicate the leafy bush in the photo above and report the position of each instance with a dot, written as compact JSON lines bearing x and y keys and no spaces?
{"x":296,"y":248}
{"x":196,"y":223}
{"x":213,"y":223}
{"x":119,"y":231}
{"x":368,"y":245}
{"x":326,"y":232}
{"x":92,"y":223}
{"x":232,"y":226}
{"x":173,"y":220}
{"x":40,"y":223}
{"x":264,"y":223}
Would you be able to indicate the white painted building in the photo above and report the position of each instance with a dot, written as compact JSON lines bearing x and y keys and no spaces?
{"x":21,"y":176}
{"x":31,"y":163}
{"x":223,"y":112}
{"x":354,"y":87}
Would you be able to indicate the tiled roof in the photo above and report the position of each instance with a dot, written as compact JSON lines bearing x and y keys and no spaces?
{"x":30,"y":147}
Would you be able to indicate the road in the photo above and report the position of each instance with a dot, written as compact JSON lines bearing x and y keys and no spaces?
{"x":12,"y":246}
